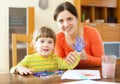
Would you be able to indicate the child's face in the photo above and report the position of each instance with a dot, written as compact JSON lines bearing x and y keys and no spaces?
{"x":44,"y":46}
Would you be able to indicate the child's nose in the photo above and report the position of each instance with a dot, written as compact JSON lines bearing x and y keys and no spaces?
{"x":46,"y":44}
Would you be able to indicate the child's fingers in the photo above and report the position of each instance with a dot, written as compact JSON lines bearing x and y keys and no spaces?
{"x":31,"y":70}
{"x":70,"y":59}
{"x":21,"y":73}
{"x":25,"y":71}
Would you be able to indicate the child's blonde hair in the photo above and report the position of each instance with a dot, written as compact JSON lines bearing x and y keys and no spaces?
{"x":43,"y":32}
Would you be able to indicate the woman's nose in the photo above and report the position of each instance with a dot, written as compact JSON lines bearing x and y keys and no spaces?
{"x":65,"y":23}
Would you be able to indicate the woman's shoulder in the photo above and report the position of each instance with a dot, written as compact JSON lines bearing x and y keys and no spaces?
{"x":90,"y":29}
{"x":60,"y":36}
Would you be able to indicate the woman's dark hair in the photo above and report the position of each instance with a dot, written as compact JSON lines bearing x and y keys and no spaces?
{"x":65,"y":6}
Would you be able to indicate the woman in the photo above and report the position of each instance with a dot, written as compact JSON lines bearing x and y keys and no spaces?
{"x":67,"y":20}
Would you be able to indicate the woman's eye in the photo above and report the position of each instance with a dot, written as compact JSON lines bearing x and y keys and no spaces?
{"x":69,"y":19}
{"x":60,"y":21}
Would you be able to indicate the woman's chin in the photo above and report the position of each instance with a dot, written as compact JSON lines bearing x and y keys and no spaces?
{"x":68,"y":32}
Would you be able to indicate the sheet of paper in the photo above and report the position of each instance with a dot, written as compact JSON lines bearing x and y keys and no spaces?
{"x":81,"y":74}
{"x":89,"y":82}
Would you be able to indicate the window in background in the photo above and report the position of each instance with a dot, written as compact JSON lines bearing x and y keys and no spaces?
{"x":17,"y":24}
{"x":112,"y":48}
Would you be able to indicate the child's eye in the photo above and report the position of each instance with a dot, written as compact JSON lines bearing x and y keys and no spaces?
{"x":42,"y":41}
{"x":50,"y":42}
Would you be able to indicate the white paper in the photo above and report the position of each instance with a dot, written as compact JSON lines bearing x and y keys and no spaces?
{"x":81,"y":74}
{"x":89,"y":82}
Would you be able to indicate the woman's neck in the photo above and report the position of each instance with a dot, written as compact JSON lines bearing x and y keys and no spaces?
{"x":78,"y":32}
{"x":71,"y":39}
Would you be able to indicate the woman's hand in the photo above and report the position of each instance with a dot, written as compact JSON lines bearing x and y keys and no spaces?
{"x":24,"y":71}
{"x":83,"y":55}
{"x":79,"y":47}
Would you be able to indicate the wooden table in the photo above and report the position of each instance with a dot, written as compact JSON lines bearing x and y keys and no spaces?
{"x":18,"y":79}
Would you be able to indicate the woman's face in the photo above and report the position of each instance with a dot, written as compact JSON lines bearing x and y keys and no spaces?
{"x":67,"y":22}
{"x":44,"y":46}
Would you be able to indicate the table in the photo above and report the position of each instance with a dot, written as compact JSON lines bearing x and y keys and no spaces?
{"x":18,"y":79}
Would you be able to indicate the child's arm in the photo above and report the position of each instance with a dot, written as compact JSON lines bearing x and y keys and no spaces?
{"x":62,"y":64}
{"x":21,"y":68}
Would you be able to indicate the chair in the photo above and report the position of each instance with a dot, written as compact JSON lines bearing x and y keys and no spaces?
{"x":21,"y":38}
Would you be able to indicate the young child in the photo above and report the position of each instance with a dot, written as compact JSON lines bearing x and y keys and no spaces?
{"x":43,"y":42}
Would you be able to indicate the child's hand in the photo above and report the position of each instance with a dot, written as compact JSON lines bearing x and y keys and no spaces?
{"x":24,"y":71}
{"x":80,"y":44}
{"x":70,"y":59}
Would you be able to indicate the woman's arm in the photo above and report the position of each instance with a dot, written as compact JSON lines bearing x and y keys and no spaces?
{"x":94,"y":49}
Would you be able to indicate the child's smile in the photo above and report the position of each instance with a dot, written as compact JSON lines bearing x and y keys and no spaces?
{"x":45,"y":50}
